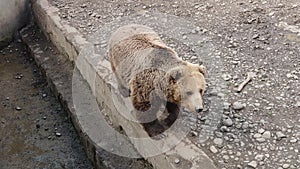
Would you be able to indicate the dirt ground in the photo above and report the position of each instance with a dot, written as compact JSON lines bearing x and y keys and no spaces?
{"x":35,"y":131}
{"x":259,"y":127}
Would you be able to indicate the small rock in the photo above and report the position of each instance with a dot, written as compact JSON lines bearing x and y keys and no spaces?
{"x":259,"y":157}
{"x":226,"y":77}
{"x":238,"y":105}
{"x":227,"y":105}
{"x":58,"y":134}
{"x":289,"y":75}
{"x":239,"y":167}
{"x":194,"y":134}
{"x":224,"y":129}
{"x":257,"y":135}
{"x":252,"y":164}
{"x":226,"y":157}
{"x":245,"y":125}
{"x":271,"y":13}
{"x":227,"y":122}
{"x":44,"y":95}
{"x":255,"y":36}
{"x":218,"y":134}
{"x":37,"y":126}
{"x":176,"y":161}
{"x":18,"y":108}
{"x":218,"y":141}
{"x":260,"y":140}
{"x":279,"y":134}
{"x":297,"y":104}
{"x":261,"y":130}
{"x":293,"y":140}
{"x":266,"y":135}
{"x":83,"y":5}
{"x":235,"y":63}
{"x":286,"y":166}
{"x":213,"y":149}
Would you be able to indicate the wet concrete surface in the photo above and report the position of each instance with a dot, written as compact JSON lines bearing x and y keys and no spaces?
{"x":35,"y":132}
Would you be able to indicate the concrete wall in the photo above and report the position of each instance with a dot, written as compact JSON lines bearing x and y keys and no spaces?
{"x":13,"y":15}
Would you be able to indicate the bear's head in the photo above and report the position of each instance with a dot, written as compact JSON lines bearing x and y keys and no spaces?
{"x":190,"y":85}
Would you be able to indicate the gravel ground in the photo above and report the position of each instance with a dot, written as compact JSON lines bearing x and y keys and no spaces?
{"x":258,"y":127}
{"x":35,"y":131}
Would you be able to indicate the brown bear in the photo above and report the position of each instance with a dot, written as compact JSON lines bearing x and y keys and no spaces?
{"x":150,"y":73}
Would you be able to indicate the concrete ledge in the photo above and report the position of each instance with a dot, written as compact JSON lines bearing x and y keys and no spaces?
{"x":70,"y":43}
{"x":58,"y":71}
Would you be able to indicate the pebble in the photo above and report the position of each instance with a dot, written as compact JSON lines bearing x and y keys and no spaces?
{"x":245,"y":125}
{"x":226,"y":77}
{"x":257,"y":135}
{"x":226,"y":157}
{"x":279,"y":134}
{"x":259,"y":157}
{"x":286,"y":165}
{"x":297,"y":104}
{"x":58,"y":134}
{"x":176,"y":161}
{"x":261,"y":130}
{"x":194,"y":133}
{"x":227,"y":122}
{"x":260,"y":140}
{"x":224,"y":129}
{"x":83,"y":5}
{"x":218,"y":141}
{"x":266,"y":135}
{"x":238,"y":105}
{"x":293,"y":140}
{"x":18,"y":108}
{"x":227,"y":105}
{"x":218,"y":134}
{"x":213,"y":149}
{"x":252,"y":164}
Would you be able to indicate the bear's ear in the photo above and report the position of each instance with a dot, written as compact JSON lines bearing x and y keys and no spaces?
{"x":175,"y":74}
{"x":202,"y":69}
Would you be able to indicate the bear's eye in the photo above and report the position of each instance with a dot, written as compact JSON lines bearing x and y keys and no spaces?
{"x":189,"y":93}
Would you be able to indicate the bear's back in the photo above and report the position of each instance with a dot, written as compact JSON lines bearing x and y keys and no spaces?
{"x":127,"y":31}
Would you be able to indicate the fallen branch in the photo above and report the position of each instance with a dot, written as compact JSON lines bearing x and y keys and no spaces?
{"x":250,"y":75}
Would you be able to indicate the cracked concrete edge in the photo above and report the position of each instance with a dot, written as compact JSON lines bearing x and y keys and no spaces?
{"x":70,"y":42}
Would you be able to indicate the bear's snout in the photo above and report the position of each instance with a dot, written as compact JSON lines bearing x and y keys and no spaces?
{"x":193,"y":105}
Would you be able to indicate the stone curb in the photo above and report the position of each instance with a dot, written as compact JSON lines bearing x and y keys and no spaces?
{"x":70,"y":42}
{"x":58,"y":71}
